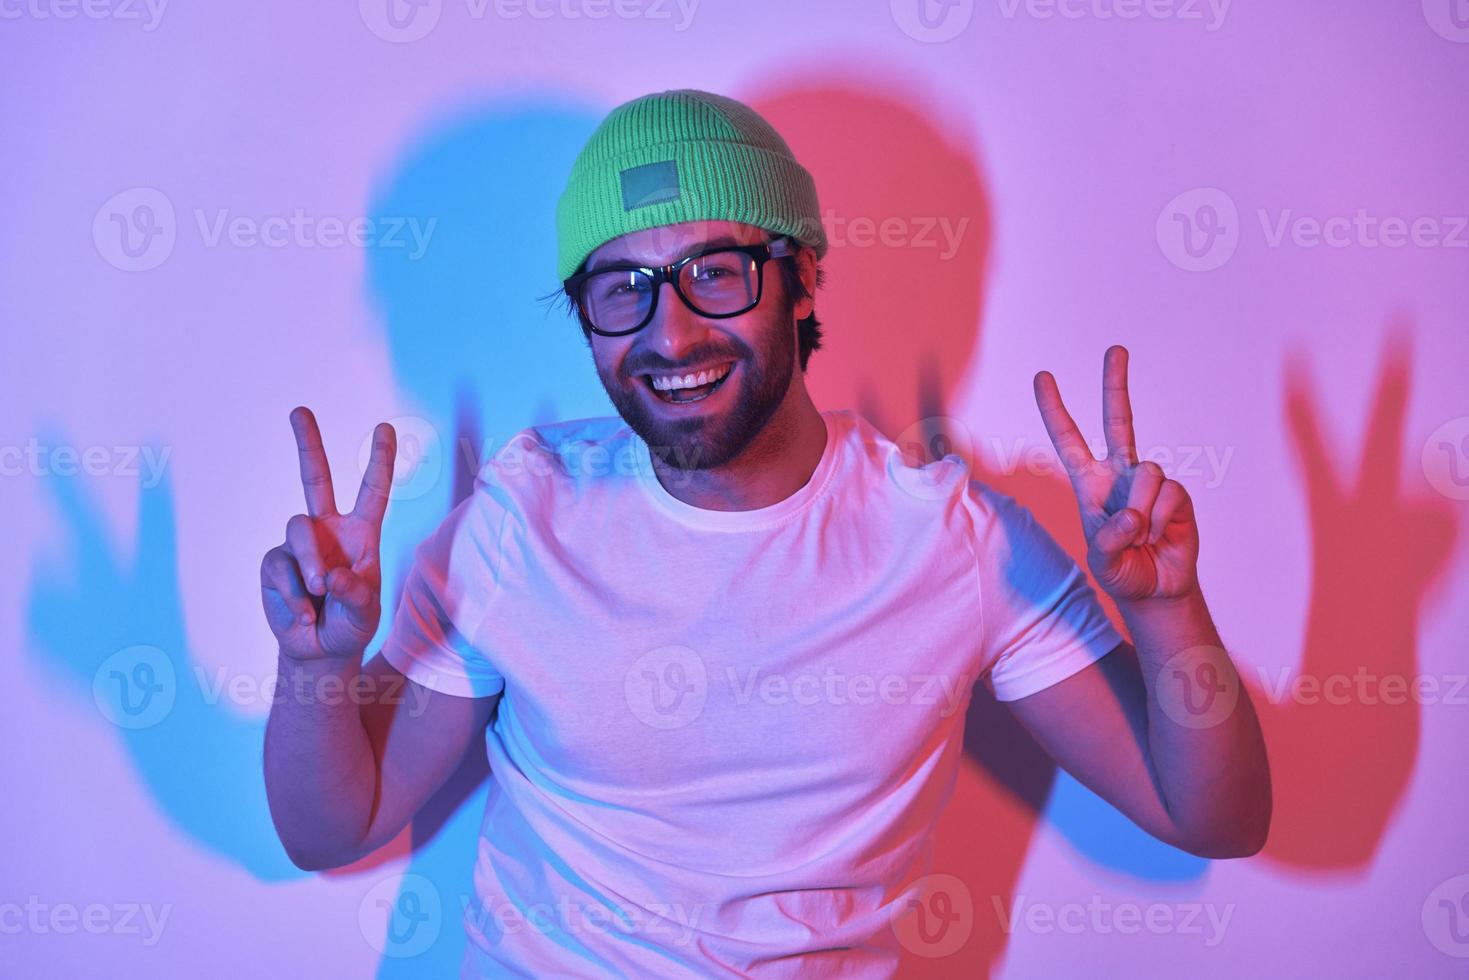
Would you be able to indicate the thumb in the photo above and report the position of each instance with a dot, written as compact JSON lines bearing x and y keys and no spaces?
{"x":1116,"y":535}
{"x":355,"y":596}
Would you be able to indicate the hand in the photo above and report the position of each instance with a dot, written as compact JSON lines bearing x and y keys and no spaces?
{"x":1142,"y":542}
{"x":322,"y":589}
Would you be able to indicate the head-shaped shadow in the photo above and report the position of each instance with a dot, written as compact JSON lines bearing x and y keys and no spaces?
{"x":479,"y":356}
{"x":903,"y":310}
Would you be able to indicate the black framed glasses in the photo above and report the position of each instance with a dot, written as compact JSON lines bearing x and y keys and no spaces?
{"x":616,"y":300}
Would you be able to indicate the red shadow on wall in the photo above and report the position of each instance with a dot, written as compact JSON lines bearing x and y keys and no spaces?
{"x":904,"y":323}
{"x":1342,"y":754}
{"x":908,"y":215}
{"x":908,"y":212}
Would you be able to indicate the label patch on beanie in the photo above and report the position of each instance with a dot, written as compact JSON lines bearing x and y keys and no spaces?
{"x":651,"y":183}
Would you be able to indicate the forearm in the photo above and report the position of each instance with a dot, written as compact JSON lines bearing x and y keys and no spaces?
{"x":320,"y":769}
{"x":1204,"y":740}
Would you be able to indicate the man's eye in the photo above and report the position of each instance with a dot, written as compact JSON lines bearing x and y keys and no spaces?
{"x":627,"y":287}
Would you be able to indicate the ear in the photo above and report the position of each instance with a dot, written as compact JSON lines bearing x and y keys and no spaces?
{"x":806,"y":268}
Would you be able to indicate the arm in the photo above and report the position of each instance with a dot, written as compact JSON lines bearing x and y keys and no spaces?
{"x":351,"y":751}
{"x":1164,"y":731}
{"x":1203,"y":789}
{"x":345,"y":772}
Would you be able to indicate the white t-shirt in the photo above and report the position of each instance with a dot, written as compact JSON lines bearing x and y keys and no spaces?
{"x":724,"y":736}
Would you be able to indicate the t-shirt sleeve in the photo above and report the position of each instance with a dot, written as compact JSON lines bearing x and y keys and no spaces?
{"x":1040,"y":618}
{"x":446,"y":599}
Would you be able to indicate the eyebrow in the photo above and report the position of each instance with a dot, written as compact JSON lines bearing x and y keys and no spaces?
{"x":722,"y":241}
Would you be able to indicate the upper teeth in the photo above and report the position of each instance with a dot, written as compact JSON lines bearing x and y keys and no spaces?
{"x":673,"y":382}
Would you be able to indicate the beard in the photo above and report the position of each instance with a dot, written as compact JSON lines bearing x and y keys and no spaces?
{"x":704,"y":441}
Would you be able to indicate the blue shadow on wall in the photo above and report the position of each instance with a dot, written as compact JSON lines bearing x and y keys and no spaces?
{"x":114,"y":629}
{"x":479,"y":357}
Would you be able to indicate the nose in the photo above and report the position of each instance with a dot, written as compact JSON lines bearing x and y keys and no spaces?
{"x":675,"y":329}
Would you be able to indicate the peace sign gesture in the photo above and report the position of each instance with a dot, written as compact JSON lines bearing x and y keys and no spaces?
{"x":1142,"y":542}
{"x":322,"y":588}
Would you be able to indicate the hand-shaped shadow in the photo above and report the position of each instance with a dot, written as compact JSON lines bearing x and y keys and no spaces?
{"x":199,"y":759}
{"x":1341,"y":755}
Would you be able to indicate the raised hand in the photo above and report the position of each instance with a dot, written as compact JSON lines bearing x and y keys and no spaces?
{"x":1142,"y":542}
{"x":322,"y":589}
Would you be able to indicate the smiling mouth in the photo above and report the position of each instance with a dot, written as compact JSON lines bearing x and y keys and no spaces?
{"x":682,"y":396}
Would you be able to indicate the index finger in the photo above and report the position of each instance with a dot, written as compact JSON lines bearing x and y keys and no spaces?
{"x":1065,"y":436}
{"x":1117,"y":406}
{"x":377,"y":479}
{"x":316,"y":475}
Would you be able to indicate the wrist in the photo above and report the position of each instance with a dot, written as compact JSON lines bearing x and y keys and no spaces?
{"x":1173,"y":621}
{"x":315,"y":680}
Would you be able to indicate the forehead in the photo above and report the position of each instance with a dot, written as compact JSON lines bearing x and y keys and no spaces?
{"x":664,"y":244}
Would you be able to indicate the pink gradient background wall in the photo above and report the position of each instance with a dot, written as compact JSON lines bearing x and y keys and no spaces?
{"x":1312,"y":397}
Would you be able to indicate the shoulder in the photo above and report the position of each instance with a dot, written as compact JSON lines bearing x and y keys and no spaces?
{"x":918,"y":471}
{"x":542,"y":469}
{"x":541,"y":457}
{"x":922,"y":470}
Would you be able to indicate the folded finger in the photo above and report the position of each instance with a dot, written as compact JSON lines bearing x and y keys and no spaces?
{"x":1116,"y":535}
{"x":301,"y":543}
{"x":1147,"y":479}
{"x":1172,"y":504}
{"x":354,"y":595}
{"x":280,"y":574}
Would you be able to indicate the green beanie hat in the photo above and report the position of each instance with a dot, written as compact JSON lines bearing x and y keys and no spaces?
{"x":683,"y":155}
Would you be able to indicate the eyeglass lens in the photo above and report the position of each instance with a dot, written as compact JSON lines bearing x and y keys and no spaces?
{"x":721,"y":283}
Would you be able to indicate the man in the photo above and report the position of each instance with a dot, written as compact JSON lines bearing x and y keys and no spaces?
{"x":723,"y":642}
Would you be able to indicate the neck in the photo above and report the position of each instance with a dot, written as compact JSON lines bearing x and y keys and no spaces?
{"x":777,"y":462}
